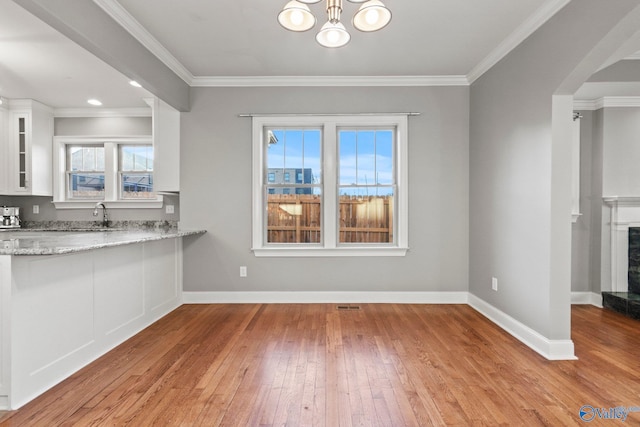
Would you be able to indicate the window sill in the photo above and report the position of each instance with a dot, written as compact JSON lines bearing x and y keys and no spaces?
{"x":110,"y":204}
{"x":333,"y":252}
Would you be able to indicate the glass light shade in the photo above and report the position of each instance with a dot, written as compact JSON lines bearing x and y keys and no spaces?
{"x":333,"y":35}
{"x":309,"y":1}
{"x":372,"y":16}
{"x":296,"y":16}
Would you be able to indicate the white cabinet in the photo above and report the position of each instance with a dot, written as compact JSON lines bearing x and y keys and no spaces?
{"x":60,"y":312}
{"x":4,"y":150}
{"x":28,"y":149}
{"x":166,"y":146}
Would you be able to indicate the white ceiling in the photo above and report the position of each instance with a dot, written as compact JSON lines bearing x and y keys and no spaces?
{"x":243,"y":38}
{"x":216,"y":39}
{"x":38,"y":62}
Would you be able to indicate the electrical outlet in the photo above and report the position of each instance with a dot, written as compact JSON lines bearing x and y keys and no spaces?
{"x":169,"y":209}
{"x":243,"y":271}
{"x":494,"y":283}
{"x":36,"y":209}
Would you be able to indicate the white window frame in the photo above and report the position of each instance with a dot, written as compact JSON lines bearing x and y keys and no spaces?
{"x":122,"y":171}
{"x":330,"y":247}
{"x":112,"y":189}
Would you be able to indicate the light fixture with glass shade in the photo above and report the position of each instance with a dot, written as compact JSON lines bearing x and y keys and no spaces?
{"x":296,"y":16}
{"x":371,"y":16}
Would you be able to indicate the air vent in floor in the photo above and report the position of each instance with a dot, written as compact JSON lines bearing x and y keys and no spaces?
{"x":348,"y":307}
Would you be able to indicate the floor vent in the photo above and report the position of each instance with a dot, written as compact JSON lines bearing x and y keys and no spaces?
{"x":348,"y":307}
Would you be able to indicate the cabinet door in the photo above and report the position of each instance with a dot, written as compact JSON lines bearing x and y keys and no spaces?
{"x":21,"y":173}
{"x":29,"y":164}
{"x":5,"y":153}
{"x":18,"y":169}
{"x":166,"y":146}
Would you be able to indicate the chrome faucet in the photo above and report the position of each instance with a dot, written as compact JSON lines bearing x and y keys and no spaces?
{"x":105,"y":218}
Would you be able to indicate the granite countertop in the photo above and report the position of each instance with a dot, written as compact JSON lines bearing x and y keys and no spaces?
{"x":47,"y":241}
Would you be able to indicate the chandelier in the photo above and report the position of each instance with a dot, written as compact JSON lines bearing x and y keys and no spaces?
{"x":371,"y":16}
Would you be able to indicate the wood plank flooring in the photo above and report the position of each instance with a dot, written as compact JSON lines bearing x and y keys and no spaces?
{"x":314,"y":365}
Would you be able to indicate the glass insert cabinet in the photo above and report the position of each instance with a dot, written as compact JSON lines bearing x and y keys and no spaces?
{"x":27,"y":149}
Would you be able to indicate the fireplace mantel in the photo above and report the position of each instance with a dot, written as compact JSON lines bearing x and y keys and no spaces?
{"x":625,"y":213}
{"x":622,"y":201}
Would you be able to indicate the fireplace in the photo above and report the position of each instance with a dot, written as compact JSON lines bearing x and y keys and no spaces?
{"x":634,"y":260}
{"x":624,"y":296}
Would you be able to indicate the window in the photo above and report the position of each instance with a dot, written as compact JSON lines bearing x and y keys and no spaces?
{"x":350,"y":190}
{"x":136,"y":172}
{"x":118,"y":171}
{"x":366,"y":185}
{"x":85,"y":172}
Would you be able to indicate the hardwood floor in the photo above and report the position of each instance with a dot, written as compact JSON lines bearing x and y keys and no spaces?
{"x":314,"y":365}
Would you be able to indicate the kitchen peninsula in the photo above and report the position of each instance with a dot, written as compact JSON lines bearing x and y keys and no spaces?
{"x":69,"y":296}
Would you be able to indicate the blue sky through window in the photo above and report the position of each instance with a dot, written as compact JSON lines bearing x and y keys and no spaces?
{"x":296,"y":149}
{"x":366,"y":159}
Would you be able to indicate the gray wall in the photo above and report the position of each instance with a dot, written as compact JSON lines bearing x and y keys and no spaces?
{"x":621,"y":157}
{"x":581,"y":230}
{"x":104,"y":126}
{"x":216,"y":192}
{"x":520,"y":230}
{"x":600,"y":215}
{"x":112,"y":126}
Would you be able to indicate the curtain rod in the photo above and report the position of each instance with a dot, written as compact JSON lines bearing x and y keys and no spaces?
{"x":325,"y":114}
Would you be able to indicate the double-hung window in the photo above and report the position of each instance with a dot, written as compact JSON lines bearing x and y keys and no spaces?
{"x":85,"y":172}
{"x":118,"y":171}
{"x":135,"y":171}
{"x":330,"y":185}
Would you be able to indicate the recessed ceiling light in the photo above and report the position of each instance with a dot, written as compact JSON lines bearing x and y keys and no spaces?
{"x":94,"y":102}
{"x":135,"y":83}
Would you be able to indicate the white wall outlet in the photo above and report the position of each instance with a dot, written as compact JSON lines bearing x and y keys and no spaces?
{"x":169,"y":209}
{"x":243,"y":271}
{"x":494,"y":283}
{"x":36,"y":209}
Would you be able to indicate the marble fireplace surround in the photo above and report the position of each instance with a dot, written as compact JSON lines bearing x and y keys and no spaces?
{"x":625,"y":214}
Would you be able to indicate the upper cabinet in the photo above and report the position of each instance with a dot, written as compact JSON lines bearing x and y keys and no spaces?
{"x":4,"y":148}
{"x":166,"y":146}
{"x":27,"y":149}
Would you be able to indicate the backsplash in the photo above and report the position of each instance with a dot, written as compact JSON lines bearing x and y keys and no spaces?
{"x":89,"y":225}
{"x":48,"y":212}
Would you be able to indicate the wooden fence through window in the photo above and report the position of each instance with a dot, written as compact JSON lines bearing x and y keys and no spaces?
{"x":296,"y":218}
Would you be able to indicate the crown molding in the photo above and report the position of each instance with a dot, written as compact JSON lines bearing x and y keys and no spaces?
{"x":586,"y":104}
{"x":528,"y":27}
{"x":607,"y":102}
{"x":268,"y":81}
{"x":129,"y":23}
{"x":634,"y":56}
{"x":102,"y":112}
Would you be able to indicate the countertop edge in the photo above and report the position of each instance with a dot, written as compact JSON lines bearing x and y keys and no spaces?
{"x":152,"y":235}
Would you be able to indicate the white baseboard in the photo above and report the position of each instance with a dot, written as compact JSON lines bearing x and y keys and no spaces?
{"x":324,"y":297}
{"x":550,"y":349}
{"x":586,"y":298}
